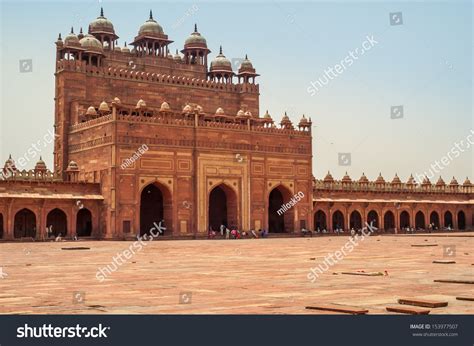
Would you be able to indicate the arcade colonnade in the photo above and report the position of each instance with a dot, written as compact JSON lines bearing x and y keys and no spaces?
{"x":391,"y":216}
{"x":23,"y":218}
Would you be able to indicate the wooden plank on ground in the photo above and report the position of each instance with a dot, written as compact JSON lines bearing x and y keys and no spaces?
{"x":422,"y":302}
{"x":407,"y":310}
{"x":339,"y":308}
{"x":471,"y":298}
{"x":456,"y":281}
{"x":444,"y":261}
{"x":423,"y":245}
{"x":363,"y":273}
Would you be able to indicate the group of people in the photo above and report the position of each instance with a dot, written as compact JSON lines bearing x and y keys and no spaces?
{"x":234,"y":233}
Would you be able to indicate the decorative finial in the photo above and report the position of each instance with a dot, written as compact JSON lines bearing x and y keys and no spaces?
{"x":176,"y":51}
{"x":195,"y":27}
{"x":101,"y":11}
{"x":246,"y":58}
{"x":125,"y":44}
{"x":59,"y":37}
{"x":10,"y":157}
{"x":220,"y":50}
{"x":80,"y":31}
{"x":72,"y":30}
{"x":151,"y":15}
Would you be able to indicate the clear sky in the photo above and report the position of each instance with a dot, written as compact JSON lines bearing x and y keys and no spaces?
{"x":423,"y":64}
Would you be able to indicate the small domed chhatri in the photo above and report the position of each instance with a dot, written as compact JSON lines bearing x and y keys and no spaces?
{"x":90,"y":44}
{"x":246,"y":71}
{"x":140,"y":104}
{"x":104,"y":107}
{"x":165,"y":107}
{"x":328,"y":178}
{"x":40,"y":165}
{"x":411,"y":180}
{"x":9,"y":164}
{"x":426,"y":181}
{"x":177,"y":57}
{"x":454,"y":182}
{"x":380,"y":179}
{"x":396,"y":180}
{"x":103,"y":29}
{"x":151,"y":27}
{"x":363,"y":179}
{"x":195,"y":40}
{"x":91,"y":111}
{"x":102,"y":25}
{"x":125,"y":49}
{"x":221,"y":68}
{"x":187,"y":109}
{"x":440,"y":182}
{"x":72,"y":166}
{"x":346,"y":178}
{"x":467,"y":182}
{"x":151,"y":39}
{"x":195,"y":49}
{"x":220,"y":111}
{"x":71,"y":40}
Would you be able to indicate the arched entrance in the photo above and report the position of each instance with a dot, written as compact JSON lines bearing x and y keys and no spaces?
{"x":434,"y":220}
{"x":461,"y":220}
{"x":337,"y":220}
{"x":373,"y":218}
{"x":84,"y":223}
{"x":24,"y":224}
{"x":155,"y":205}
{"x":355,"y":221}
{"x":1,"y":225}
{"x":320,"y":220}
{"x":56,"y":221}
{"x":448,"y":220}
{"x":420,"y":220}
{"x":404,"y":219}
{"x":281,"y":214}
{"x":389,"y":221}
{"x":222,"y":208}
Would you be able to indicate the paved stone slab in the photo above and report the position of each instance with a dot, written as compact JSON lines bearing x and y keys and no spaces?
{"x":420,"y":302}
{"x":410,"y":310}
{"x":251,"y":276}
{"x":339,"y":308}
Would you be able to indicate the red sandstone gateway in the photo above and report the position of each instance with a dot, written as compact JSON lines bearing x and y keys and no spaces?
{"x":211,"y":158}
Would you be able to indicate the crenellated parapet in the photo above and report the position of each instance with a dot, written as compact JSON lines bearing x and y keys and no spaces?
{"x":191,"y":115}
{"x":346,"y":184}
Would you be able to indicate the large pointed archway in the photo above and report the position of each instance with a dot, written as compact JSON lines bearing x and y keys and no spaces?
{"x":155,"y":205}
{"x":320,"y":220}
{"x":434,"y":220}
{"x":404,"y":219}
{"x":389,"y":221}
{"x":420,"y":220}
{"x":448,"y":220}
{"x":461,"y":220}
{"x":24,"y":224}
{"x":56,"y":221}
{"x":222,"y":208}
{"x":355,"y":220}
{"x":1,"y":225}
{"x":281,"y":214}
{"x":373,"y":218}
{"x":338,"y":220}
{"x":84,"y":223}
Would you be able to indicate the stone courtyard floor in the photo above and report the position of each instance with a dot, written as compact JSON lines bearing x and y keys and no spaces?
{"x":263,"y":276}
